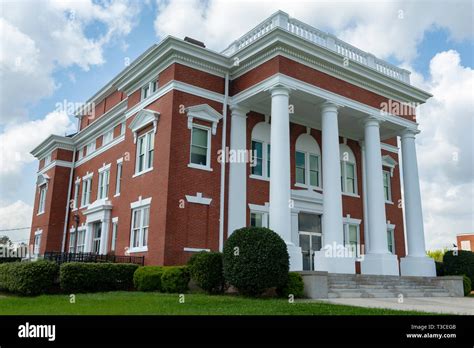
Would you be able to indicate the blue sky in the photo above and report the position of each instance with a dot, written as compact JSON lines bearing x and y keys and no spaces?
{"x":92,"y":49}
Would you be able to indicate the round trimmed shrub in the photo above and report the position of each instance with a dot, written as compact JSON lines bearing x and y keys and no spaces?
{"x":294,"y":286}
{"x":466,"y":282}
{"x":255,"y":259}
{"x":459,"y":262}
{"x":206,"y":270}
{"x":175,"y":279}
{"x":148,"y":278}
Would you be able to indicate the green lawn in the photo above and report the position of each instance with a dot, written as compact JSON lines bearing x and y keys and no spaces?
{"x":137,"y":303}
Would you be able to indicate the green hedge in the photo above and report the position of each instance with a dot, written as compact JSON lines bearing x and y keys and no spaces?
{"x":467,"y":284}
{"x":175,"y":279}
{"x":148,"y":278}
{"x":294,"y":286}
{"x":459,"y":262}
{"x":9,"y":259}
{"x":28,"y":278}
{"x":206,"y":270}
{"x":439,"y":269}
{"x":255,"y":259}
{"x":77,"y":277}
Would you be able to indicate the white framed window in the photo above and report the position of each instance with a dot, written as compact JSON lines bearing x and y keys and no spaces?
{"x":140,"y":224}
{"x":72,"y":241}
{"x":149,"y":88}
{"x":387,"y":187}
{"x":114,"y":233}
{"x":104,"y":181}
{"x":90,"y":148}
{"x":122,"y":128}
{"x":351,"y":228}
{"x":145,"y":149}
{"x":260,"y":155}
{"x":80,"y":154}
{"x":348,"y":170}
{"x":43,"y":190}
{"x":47,"y":160}
{"x":118,"y":182}
{"x":86,"y":191}
{"x":200,"y":152}
{"x":391,"y":238}
{"x":307,"y":162}
{"x":108,"y":137}
{"x":258,"y":219}
{"x":37,"y":242}
{"x":75,"y":203}
{"x":96,"y":237}
{"x":81,"y":240}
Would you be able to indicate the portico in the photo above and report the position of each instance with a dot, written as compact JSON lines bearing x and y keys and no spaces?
{"x":288,"y":101}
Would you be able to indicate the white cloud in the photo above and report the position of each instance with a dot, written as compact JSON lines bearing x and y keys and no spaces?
{"x":384,"y":28}
{"x":38,"y":38}
{"x":14,"y":215}
{"x":446,"y":150}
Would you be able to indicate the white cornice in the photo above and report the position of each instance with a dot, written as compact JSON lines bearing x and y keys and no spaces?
{"x":56,"y":163}
{"x":280,"y":79}
{"x":51,"y":143}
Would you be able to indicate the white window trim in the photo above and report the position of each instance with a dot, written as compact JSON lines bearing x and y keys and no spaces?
{"x":47,"y":159}
{"x":91,"y":147}
{"x":198,"y":199}
{"x":265,"y":157}
{"x":261,"y":209}
{"x":344,"y":179}
{"x":42,"y":198}
{"x":307,"y":170}
{"x":85,"y":179}
{"x":208,"y":153}
{"x":119,"y":176}
{"x":148,"y":84}
{"x":354,"y":222}
{"x":104,"y":170}
{"x":196,"y":250}
{"x":389,"y":200}
{"x":147,"y":153}
{"x":77,"y":187}
{"x":36,"y":248}
{"x":391,"y":227}
{"x":113,"y":246}
{"x":108,"y":137}
{"x":141,"y":207}
{"x":140,"y":203}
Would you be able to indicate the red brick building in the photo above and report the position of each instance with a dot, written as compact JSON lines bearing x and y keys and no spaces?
{"x":465,"y":241}
{"x":159,"y":167}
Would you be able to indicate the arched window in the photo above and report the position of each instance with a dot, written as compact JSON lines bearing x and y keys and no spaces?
{"x":307,"y":162}
{"x":348,"y":170}
{"x":260,"y":166}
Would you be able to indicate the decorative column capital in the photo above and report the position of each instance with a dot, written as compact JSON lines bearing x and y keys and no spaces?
{"x":409,"y":133}
{"x":329,"y":105}
{"x":238,"y":111}
{"x":280,"y":89}
{"x":371,"y":121}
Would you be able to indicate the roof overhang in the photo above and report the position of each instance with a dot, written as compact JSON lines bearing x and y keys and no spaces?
{"x":51,"y":143}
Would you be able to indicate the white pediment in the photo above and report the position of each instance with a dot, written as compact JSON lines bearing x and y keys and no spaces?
{"x":142,"y":119}
{"x":203,"y":112}
{"x":42,"y":179}
{"x":388,"y":161}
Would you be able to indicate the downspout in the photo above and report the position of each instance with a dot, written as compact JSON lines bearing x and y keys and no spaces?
{"x":68,"y":202}
{"x":223,"y":164}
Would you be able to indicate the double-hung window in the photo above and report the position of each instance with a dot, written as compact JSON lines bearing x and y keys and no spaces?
{"x":348,"y":178}
{"x":140,"y":223}
{"x":86,"y":191}
{"x":145,"y":149}
{"x":75,"y":202}
{"x":118,"y":183}
{"x":391,"y":238}
{"x":104,"y":180}
{"x":200,"y":147}
{"x":260,"y":159}
{"x":351,"y":238}
{"x":108,"y":137}
{"x":90,"y":148}
{"x":149,"y":88}
{"x":81,"y":240}
{"x":37,"y":242}
{"x":43,"y":189}
{"x":307,"y":169}
{"x":387,"y":190}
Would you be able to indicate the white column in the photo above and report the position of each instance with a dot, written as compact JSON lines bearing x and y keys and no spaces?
{"x":416,"y":263}
{"x":333,"y":257}
{"x":237,"y":215}
{"x":364,"y":201}
{"x":378,"y":260}
{"x":280,"y":185}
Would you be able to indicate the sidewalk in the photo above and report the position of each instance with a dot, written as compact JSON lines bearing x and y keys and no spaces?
{"x":445,"y":305}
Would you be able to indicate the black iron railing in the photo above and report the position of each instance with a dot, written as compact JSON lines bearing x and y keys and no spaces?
{"x":60,"y":258}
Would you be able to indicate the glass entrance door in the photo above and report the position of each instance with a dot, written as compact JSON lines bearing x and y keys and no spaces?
{"x":310,"y":237}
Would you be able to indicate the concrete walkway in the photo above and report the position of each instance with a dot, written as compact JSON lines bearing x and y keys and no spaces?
{"x":446,"y":305}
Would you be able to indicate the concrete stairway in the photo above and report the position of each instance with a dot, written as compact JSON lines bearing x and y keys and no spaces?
{"x":370,"y":286}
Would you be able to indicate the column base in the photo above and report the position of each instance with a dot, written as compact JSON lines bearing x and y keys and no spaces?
{"x":379,"y":264}
{"x":296,"y":257}
{"x":325,"y":261}
{"x":417,"y":266}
